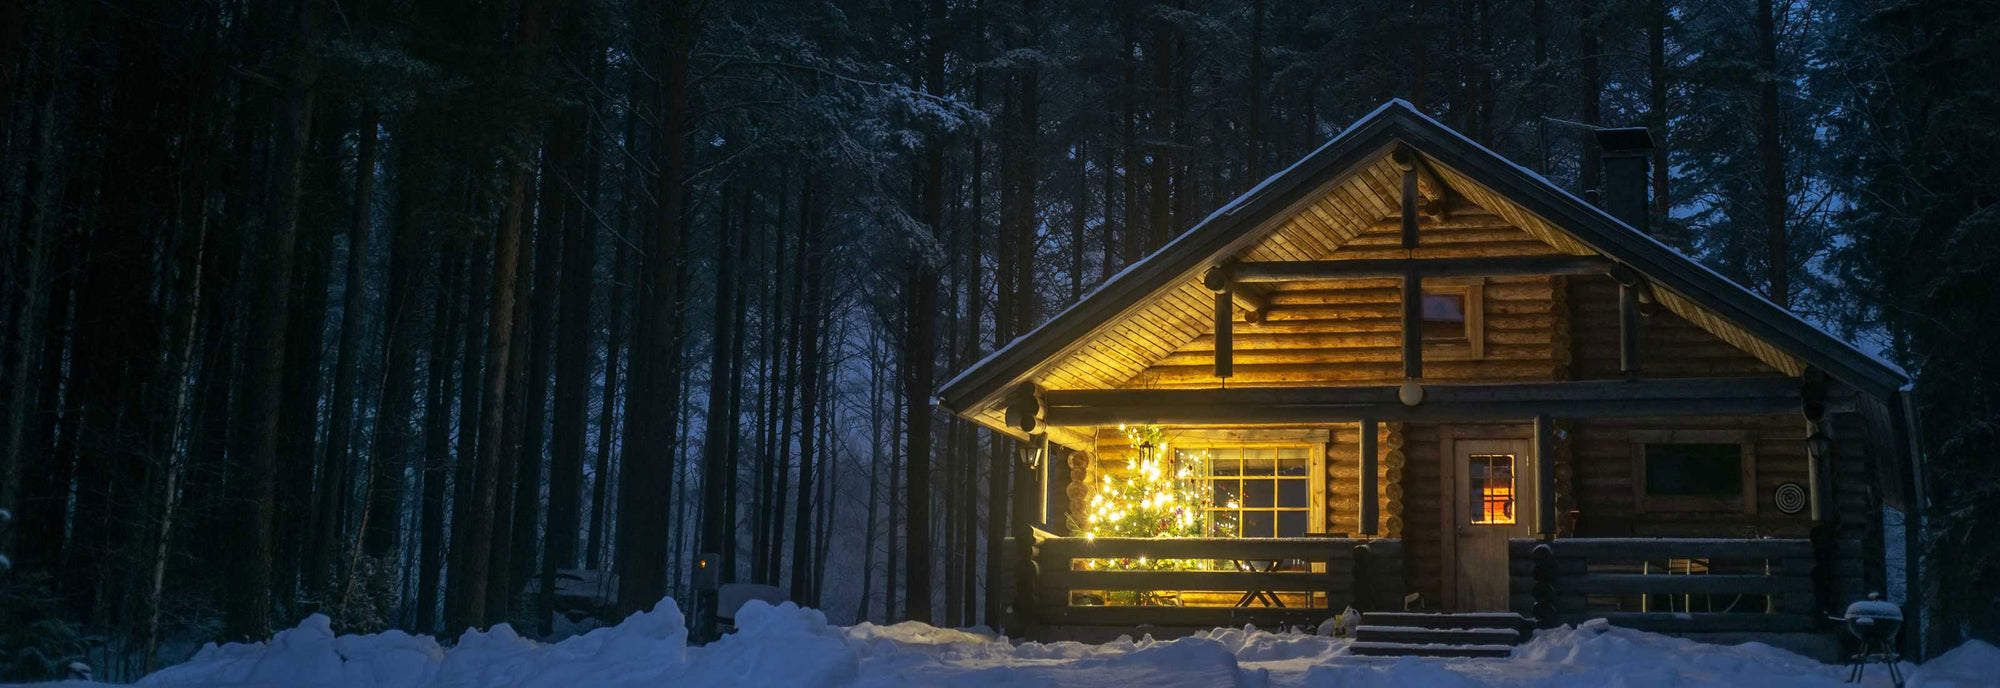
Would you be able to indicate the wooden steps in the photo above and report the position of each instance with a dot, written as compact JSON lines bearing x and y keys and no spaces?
{"x":1399,"y":634}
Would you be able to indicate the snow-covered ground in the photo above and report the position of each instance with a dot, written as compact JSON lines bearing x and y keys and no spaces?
{"x":789,"y":646}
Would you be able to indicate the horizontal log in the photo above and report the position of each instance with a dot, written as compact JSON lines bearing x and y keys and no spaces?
{"x":1644,"y":549}
{"x":1484,"y":231}
{"x":1707,"y":622}
{"x":1693,"y":397}
{"x":1497,"y":249}
{"x":1191,"y":580}
{"x":1663,"y":584}
{"x":1256,"y":339}
{"x":1243,"y":356}
{"x":1311,"y":549}
{"x":1281,"y":271}
{"x":1359,"y":371}
{"x":1534,"y":295}
{"x":1567,"y":606}
{"x":1521,"y":566}
{"x":1536,"y":281}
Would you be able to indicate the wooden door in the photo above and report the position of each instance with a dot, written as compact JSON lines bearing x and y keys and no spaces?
{"x":1493,"y":502}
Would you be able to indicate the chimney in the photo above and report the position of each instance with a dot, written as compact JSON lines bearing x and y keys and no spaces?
{"x":1626,"y":153}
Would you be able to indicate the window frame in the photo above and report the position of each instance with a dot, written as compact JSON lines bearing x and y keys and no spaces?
{"x":1473,"y":289}
{"x":1313,"y":441}
{"x":1644,"y":501}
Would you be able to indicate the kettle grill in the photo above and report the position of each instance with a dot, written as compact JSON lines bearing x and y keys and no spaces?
{"x":1874,"y":622}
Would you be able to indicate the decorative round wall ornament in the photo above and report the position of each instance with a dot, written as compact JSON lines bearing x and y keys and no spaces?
{"x":1790,"y":497}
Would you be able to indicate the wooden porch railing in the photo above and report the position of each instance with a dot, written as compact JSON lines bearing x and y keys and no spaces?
{"x":1760,"y":585}
{"x":1374,"y":578}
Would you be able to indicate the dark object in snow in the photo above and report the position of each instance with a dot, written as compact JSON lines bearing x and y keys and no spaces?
{"x":1875,"y":623}
{"x":731,"y":598}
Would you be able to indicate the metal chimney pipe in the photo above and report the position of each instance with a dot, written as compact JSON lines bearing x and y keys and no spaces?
{"x":1626,"y":158}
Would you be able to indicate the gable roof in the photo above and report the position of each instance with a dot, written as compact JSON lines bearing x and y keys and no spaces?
{"x":1347,"y":167}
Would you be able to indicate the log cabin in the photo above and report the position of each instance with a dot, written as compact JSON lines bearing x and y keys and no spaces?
{"x":1417,"y":377}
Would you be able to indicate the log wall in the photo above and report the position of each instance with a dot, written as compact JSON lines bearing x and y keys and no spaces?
{"x":1331,"y":333}
{"x":1349,"y":331}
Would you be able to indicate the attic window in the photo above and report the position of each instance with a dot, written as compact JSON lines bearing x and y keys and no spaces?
{"x":1444,"y":317}
{"x":1454,"y":324}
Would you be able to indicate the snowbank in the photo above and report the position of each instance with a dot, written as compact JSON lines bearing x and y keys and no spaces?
{"x":790,"y":646}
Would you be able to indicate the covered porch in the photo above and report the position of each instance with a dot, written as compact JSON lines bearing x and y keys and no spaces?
{"x":1413,"y":524}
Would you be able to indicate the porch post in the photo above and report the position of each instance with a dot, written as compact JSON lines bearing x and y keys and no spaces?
{"x":1545,"y":476}
{"x":1368,"y":491}
{"x":1218,"y":281}
{"x":1027,"y":472}
{"x":1413,"y":324}
{"x":1819,"y":467}
{"x":1629,"y":283}
{"x":1413,"y":292}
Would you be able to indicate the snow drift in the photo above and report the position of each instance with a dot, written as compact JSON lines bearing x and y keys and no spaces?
{"x":790,"y":646}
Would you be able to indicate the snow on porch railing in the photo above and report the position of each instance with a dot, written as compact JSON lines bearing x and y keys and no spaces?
{"x":1668,"y":584}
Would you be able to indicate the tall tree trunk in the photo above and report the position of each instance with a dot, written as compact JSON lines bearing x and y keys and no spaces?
{"x":734,"y":428}
{"x":1593,"y":92}
{"x":1771,"y":157}
{"x":437,"y":438}
{"x":167,"y":498}
{"x":471,"y":604}
{"x":920,"y":295}
{"x":717,"y":475}
{"x":37,"y":236}
{"x":298,"y":422}
{"x":782,"y":466}
{"x":614,"y":343}
{"x":768,"y":350}
{"x":396,"y":439}
{"x":1253,"y":137}
{"x":500,"y":593}
{"x":329,"y":500}
{"x":875,"y":398}
{"x":266,"y":296}
{"x":468,"y":475}
{"x":1419,"y":70}
{"x":1656,"y":110}
{"x":558,"y":157}
{"x":811,"y":219}
{"x":647,"y":459}
{"x":572,"y":384}
{"x":894,"y":526}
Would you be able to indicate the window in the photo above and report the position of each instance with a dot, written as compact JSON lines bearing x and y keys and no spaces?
{"x":1454,"y":324}
{"x":1260,"y":491}
{"x":1694,"y":470}
{"x":1444,"y":317}
{"x":1491,"y":479}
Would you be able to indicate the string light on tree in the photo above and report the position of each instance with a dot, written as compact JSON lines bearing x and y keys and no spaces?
{"x":1162,"y":493}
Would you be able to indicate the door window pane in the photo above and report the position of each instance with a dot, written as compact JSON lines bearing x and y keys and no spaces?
{"x":1490,"y":488}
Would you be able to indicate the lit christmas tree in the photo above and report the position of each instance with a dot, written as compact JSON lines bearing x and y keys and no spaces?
{"x":1161,"y":494}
